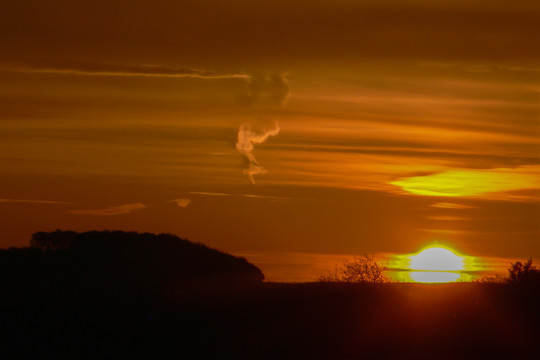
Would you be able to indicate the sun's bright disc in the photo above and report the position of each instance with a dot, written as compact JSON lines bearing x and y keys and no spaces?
{"x":437,"y":259}
{"x":434,"y":264}
{"x":434,"y":276}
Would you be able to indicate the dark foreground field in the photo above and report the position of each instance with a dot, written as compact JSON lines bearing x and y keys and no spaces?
{"x":108,"y":295}
{"x":284,"y":321}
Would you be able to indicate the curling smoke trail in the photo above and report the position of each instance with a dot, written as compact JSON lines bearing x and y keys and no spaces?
{"x":247,"y":138}
{"x":266,"y":94}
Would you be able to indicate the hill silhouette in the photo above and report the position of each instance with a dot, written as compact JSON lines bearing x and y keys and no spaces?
{"x":122,"y":265}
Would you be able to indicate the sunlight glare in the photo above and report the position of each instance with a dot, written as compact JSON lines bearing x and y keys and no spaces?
{"x":434,"y":276}
{"x":435,"y":264}
{"x":437,"y":259}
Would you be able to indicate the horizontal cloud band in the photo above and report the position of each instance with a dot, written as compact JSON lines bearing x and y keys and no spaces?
{"x":109,"y":69}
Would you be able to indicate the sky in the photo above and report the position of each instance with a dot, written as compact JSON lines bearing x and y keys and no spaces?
{"x":295,"y":133}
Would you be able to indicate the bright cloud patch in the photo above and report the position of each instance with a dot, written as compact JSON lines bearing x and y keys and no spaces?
{"x":467,"y":182}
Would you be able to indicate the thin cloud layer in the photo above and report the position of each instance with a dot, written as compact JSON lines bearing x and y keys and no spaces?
{"x":113,"y":210}
{"x":447,"y":205}
{"x":271,"y":31}
{"x":253,"y":196}
{"x":34,"y":201}
{"x":110,"y":69}
{"x":209,"y":193}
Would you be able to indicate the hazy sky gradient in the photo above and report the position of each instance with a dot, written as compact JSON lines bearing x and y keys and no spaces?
{"x":126,"y":115}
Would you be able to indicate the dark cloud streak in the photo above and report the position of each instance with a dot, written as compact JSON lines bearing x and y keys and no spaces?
{"x":113,"y":210}
{"x":268,"y":32}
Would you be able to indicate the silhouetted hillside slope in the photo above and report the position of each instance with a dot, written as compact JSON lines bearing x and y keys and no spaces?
{"x":120,"y":264}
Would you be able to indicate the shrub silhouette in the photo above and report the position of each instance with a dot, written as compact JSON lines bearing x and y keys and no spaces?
{"x":523,"y":273}
{"x":361,"y":269}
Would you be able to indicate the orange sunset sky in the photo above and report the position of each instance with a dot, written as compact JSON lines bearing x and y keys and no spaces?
{"x":295,"y":133}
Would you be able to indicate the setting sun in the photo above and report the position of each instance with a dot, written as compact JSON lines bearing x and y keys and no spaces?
{"x":437,"y":259}
{"x":435,"y":264}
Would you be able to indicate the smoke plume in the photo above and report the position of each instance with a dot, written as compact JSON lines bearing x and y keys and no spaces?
{"x":266,"y":94}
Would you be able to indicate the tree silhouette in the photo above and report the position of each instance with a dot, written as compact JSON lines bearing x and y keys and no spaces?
{"x":361,"y":269}
{"x":523,"y":273}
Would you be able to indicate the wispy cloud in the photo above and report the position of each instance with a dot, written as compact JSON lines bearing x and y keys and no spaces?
{"x":209,"y":193}
{"x":33,"y":201}
{"x":183,"y":203}
{"x":240,"y":195}
{"x":113,"y":210}
{"x":446,"y":205}
{"x":448,"y":218}
{"x":110,"y":69}
{"x":264,"y":197}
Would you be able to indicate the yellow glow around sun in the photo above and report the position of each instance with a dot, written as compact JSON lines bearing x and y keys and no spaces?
{"x":467,"y":183}
{"x":435,"y":264}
